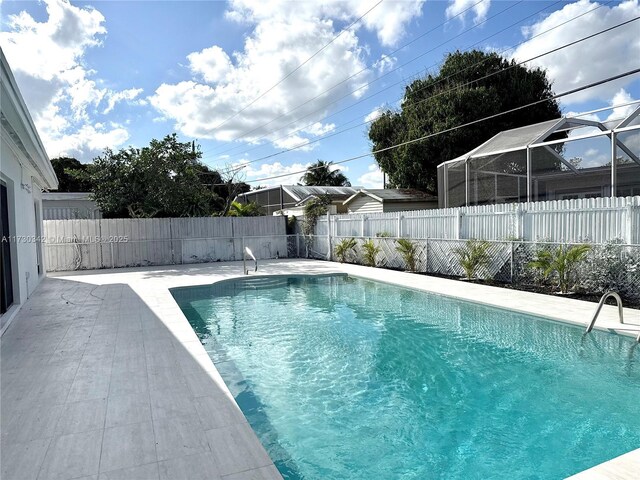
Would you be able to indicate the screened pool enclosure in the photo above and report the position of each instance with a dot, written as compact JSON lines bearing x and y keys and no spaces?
{"x":564,"y":158}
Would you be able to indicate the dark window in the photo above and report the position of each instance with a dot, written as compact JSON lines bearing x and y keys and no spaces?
{"x":6,"y":279}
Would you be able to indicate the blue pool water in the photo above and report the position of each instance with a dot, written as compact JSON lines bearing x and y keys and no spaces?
{"x":343,"y":378}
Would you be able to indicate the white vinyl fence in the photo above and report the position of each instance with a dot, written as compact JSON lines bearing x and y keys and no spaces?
{"x":594,"y":220}
{"x":114,"y":243}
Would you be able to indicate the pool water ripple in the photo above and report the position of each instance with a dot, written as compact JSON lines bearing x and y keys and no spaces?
{"x":348,"y":378}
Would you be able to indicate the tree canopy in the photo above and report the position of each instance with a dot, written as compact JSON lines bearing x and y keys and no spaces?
{"x":165,"y":179}
{"x":320,"y":174}
{"x":455,"y":96}
{"x":71,"y":175}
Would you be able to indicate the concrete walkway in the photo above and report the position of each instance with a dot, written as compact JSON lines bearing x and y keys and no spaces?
{"x":103,"y":377}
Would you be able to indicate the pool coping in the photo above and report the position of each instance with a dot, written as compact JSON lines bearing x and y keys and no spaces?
{"x":153,"y":285}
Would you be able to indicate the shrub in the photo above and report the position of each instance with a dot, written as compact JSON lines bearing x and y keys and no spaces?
{"x":473,"y":256}
{"x":611,"y":267}
{"x":408,"y":250}
{"x":345,"y":248}
{"x":561,"y":264}
{"x":371,"y":251}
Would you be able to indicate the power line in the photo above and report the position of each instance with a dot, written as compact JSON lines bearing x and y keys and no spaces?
{"x":464,"y":125}
{"x":298,"y":67}
{"x":333,"y":134}
{"x":394,"y":84}
{"x":387,"y":56}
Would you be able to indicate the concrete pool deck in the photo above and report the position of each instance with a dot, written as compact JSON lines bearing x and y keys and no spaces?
{"x":103,"y":377}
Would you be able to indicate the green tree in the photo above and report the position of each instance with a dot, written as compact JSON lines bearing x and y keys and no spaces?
{"x":72,"y":175}
{"x":237,"y":209}
{"x":452,"y":97}
{"x":320,"y":174}
{"x":161,"y":180}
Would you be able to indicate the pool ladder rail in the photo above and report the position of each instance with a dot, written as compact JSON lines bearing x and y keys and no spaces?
{"x":618,"y":300}
{"x":247,"y":251}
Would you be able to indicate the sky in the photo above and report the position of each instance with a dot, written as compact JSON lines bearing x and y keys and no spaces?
{"x":270,"y":84}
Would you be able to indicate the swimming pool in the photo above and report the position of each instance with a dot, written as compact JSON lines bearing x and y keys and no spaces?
{"x":342,"y":377}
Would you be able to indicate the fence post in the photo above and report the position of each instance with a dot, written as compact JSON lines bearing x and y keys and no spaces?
{"x":426,"y":254}
{"x":399,"y":227}
{"x":628,"y":234}
{"x":329,"y":236}
{"x":362,"y":226}
{"x":458,"y":224}
{"x":113,"y":263}
{"x":297,"y":245}
{"x":182,"y":251}
{"x":244,"y":265}
{"x":511,"y":274}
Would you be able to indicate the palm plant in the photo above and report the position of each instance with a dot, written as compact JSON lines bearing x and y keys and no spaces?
{"x":473,"y":256}
{"x":237,"y":209}
{"x":371,"y":251}
{"x":408,"y":250}
{"x":345,"y":248}
{"x":320,"y":174}
{"x":561,"y":263}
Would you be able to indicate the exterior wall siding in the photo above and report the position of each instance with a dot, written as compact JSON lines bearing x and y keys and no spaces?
{"x":364,"y":204}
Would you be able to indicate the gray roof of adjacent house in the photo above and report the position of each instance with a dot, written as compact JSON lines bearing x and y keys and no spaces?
{"x":66,"y":196}
{"x":394,"y":195}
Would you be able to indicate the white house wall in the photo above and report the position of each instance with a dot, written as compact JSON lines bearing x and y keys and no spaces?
{"x":22,"y":221}
{"x":364,"y":204}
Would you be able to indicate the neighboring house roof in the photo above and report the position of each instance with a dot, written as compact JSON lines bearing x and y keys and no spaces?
{"x":67,"y":196}
{"x":301,"y":192}
{"x":394,"y":195}
{"x":334,"y":198}
{"x":19,"y":126}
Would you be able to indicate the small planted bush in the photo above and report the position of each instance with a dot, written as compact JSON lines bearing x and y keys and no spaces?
{"x":473,"y":257}
{"x":408,"y":250}
{"x":369,"y":253}
{"x":559,"y":265}
{"x":345,"y":249}
{"x":611,"y":266}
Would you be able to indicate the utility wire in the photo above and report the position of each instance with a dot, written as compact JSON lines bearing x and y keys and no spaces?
{"x":396,"y":83}
{"x":470,"y":82}
{"x":385,"y":56}
{"x":298,"y":67}
{"x":464,"y":125}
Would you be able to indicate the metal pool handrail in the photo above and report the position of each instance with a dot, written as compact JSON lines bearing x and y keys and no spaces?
{"x":247,"y":251}
{"x":618,"y":300}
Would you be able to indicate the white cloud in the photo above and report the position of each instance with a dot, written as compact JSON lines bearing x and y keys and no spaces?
{"x":384,"y":64}
{"x":375,"y":113}
{"x":387,"y":20}
{"x":266,"y":170}
{"x":373,"y":178}
{"x":479,"y":11}
{"x":63,"y":95}
{"x":614,"y":52}
{"x":212,"y":63}
{"x":622,"y":97}
{"x":211,"y":105}
{"x":115,"y":97}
